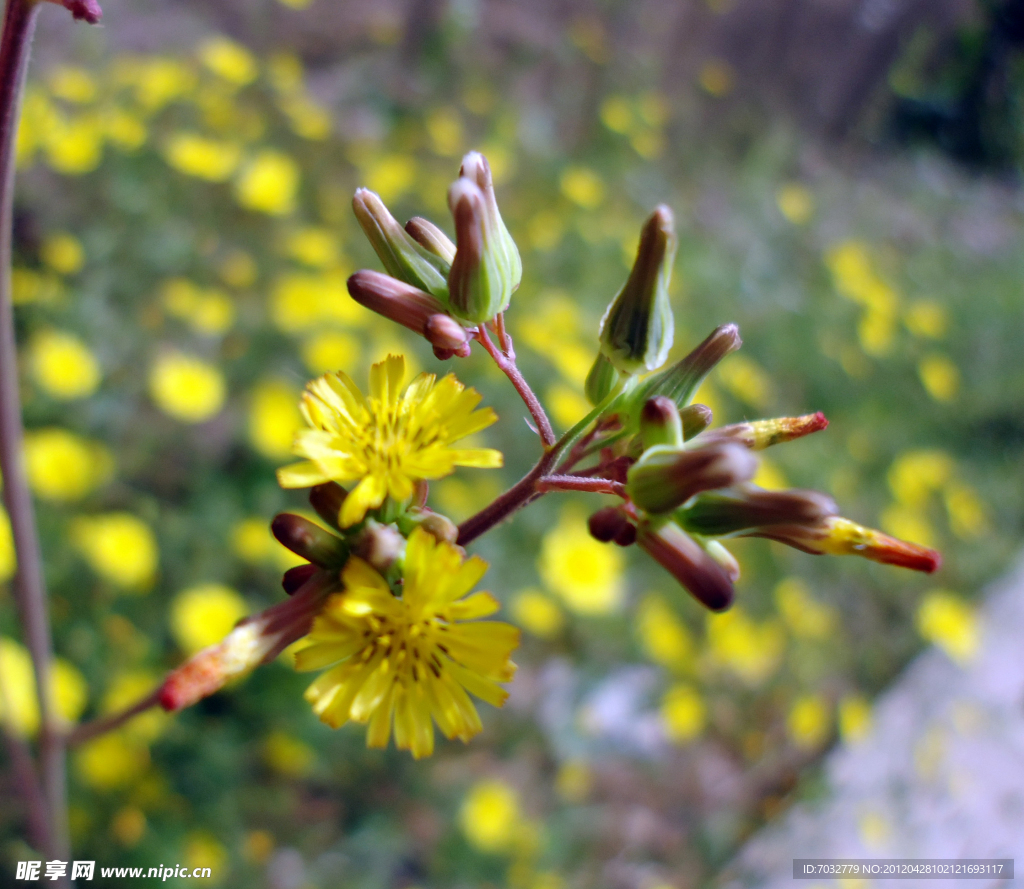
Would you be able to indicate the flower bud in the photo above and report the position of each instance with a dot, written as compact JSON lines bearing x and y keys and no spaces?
{"x":294,"y":578}
{"x":840,"y":537}
{"x":607,"y":523}
{"x":310,"y":541}
{"x":660,"y":423}
{"x":475,"y":167}
{"x":637,"y":329}
{"x":725,"y":559}
{"x":482,"y":276}
{"x":444,"y":332}
{"x":327,"y":499}
{"x":682,"y":380}
{"x":402,"y":257}
{"x":380,"y":545}
{"x":760,"y":434}
{"x":434,"y":523}
{"x":430,"y":237}
{"x":717,"y":513}
{"x":603,"y":377}
{"x":695,"y":418}
{"x":664,"y":478}
{"x":255,"y":640}
{"x":679,"y":554}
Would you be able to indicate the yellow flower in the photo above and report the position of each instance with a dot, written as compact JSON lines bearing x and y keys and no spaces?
{"x":8,"y":561}
{"x":187,"y":388}
{"x":63,"y":466}
{"x":412,"y":658}
{"x":582,"y":186}
{"x":63,"y":253}
{"x":273,"y":418}
{"x":388,"y":440}
{"x":119,"y":547}
{"x":537,"y":613}
{"x":809,"y":721}
{"x":209,"y":159}
{"x":202,"y":615}
{"x":19,"y":709}
{"x":951,"y":623}
{"x":585,"y":573}
{"x":683,"y":713}
{"x":665,"y":639}
{"x":269,"y":184}
{"x":228,"y":60}
{"x":489,"y":815}
{"x":62,"y":365}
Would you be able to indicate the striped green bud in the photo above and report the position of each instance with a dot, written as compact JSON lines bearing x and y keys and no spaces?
{"x":665,"y":477}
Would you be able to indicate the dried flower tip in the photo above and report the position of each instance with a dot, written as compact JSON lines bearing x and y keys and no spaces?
{"x":294,"y":578}
{"x":82,"y":10}
{"x":430,"y":237}
{"x":717,"y":513}
{"x":684,"y":559}
{"x":481,"y":279}
{"x":310,"y":541}
{"x":402,"y":257}
{"x":327,"y":499}
{"x":255,"y":640}
{"x":761,"y":434}
{"x":840,"y":537}
{"x":445,"y":333}
{"x":660,"y":423}
{"x":664,"y":478}
{"x":608,"y":523}
{"x":637,"y":329}
{"x":695,"y":418}
{"x":681,"y":381}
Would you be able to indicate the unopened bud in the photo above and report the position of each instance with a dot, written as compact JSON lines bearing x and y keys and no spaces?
{"x":310,"y":541}
{"x":603,"y":377}
{"x":380,"y":545}
{"x":725,"y":559}
{"x":431,"y":238}
{"x":718,"y":513}
{"x":679,"y":554}
{"x":327,"y":499}
{"x":607,"y":523}
{"x":840,"y":537}
{"x":664,"y":478}
{"x":695,"y":418}
{"x":475,"y":167}
{"x":637,"y":329}
{"x":255,"y":640}
{"x":682,"y":380}
{"x":760,"y":434}
{"x":440,"y":526}
{"x":402,"y":257}
{"x":660,"y":423}
{"x":445,"y":333}
{"x":294,"y":578}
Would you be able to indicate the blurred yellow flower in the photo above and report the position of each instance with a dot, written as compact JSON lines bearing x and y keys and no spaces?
{"x":567,"y":405}
{"x":316,"y":247}
{"x":665,"y":638}
{"x":951,"y":623}
{"x":716,"y":78}
{"x":388,"y":441}
{"x":119,"y":547}
{"x":802,"y":613}
{"x":926,"y":318}
{"x":18,"y":706}
{"x":749,"y":649}
{"x":585,"y":573}
{"x":308,"y":119}
{"x":295,"y":4}
{"x":537,"y":613}
{"x":908,"y":523}
{"x":62,"y":365}
{"x":211,"y":159}
{"x":123,"y":130}
{"x":287,"y":755}
{"x":75,"y":146}
{"x":111,"y":761}
{"x":238,"y":269}
{"x":128,"y":688}
{"x":967,"y":516}
{"x":683,"y":713}
{"x":939,"y":376}
{"x":128,"y":826}
{"x":854,"y":718}
{"x":209,"y":311}
{"x":8,"y":560}
{"x":617,"y":114}
{"x":187,"y":388}
{"x":916,"y":474}
{"x":795,"y":202}
{"x":300,"y":301}
{"x":390,"y":176}
{"x":274,"y":418}
{"x":328,"y":351}
{"x":583,"y":187}
{"x":573,"y":781}
{"x":71,"y":83}
{"x":204,"y":614}
{"x":63,"y":253}
{"x":769,"y":476}
{"x":30,"y":286}
{"x":444,"y":126}
{"x":809,"y":721}
{"x":64,"y":466}
{"x":746,"y":380}
{"x":268,"y":183}
{"x":228,"y":60}
{"x":202,"y":849}
{"x":489,"y":815}
{"x":156,"y":80}
{"x":252,"y":542}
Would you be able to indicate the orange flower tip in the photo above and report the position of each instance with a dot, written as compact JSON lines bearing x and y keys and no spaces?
{"x":912,"y":556}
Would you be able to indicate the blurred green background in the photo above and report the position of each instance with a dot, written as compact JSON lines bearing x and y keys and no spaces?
{"x":844,"y":190}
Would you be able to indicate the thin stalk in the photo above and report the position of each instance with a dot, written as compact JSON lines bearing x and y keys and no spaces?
{"x":508,"y":367}
{"x":105,"y":724}
{"x":25,"y":777}
{"x":19,"y":24}
{"x":578,"y":483}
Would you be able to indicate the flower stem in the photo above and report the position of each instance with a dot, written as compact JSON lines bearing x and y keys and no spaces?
{"x":19,"y":24}
{"x":105,"y":724}
{"x":25,"y":777}
{"x":506,"y":362}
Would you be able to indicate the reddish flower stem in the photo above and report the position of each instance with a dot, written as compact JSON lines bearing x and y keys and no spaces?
{"x":19,"y":25}
{"x":507,"y":365}
{"x":105,"y":724}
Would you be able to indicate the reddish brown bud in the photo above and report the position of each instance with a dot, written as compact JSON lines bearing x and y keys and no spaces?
{"x":445,"y":333}
{"x":607,"y":524}
{"x":310,"y":541}
{"x":679,"y":554}
{"x":295,"y":577}
{"x":327,"y":499}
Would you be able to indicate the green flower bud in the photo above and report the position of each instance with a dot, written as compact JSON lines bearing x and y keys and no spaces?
{"x":637,"y":329}
{"x":717,"y":513}
{"x":695,"y":418}
{"x":665,"y":477}
{"x":430,"y":237}
{"x":402,"y":257}
{"x":486,"y":269}
{"x":660,"y":423}
{"x":602,"y":378}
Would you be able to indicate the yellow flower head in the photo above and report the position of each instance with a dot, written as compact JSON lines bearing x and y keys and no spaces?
{"x":388,"y":440}
{"x":411,"y":658}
